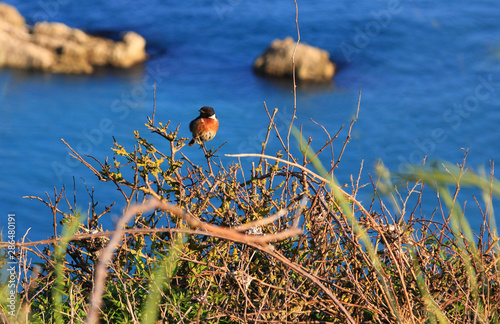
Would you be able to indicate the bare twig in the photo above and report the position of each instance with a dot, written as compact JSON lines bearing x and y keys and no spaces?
{"x":350,"y":197}
{"x":330,"y":140}
{"x":271,"y":123}
{"x":226,"y":233}
{"x":293,"y":77}
{"x":348,"y":134}
{"x":154,"y":104}
{"x":79,"y":158}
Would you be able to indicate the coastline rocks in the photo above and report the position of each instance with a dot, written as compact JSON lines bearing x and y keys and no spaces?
{"x":10,"y":15}
{"x":57,"y":48}
{"x":311,"y":63}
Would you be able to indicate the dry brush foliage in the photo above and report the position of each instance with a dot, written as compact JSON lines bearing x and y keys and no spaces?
{"x":276,"y":243}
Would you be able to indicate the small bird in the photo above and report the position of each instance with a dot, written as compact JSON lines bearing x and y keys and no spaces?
{"x":205,"y":126}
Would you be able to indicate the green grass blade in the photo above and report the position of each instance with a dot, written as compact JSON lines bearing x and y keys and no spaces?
{"x":347,"y":209}
{"x":161,"y":276}
{"x":58,"y":290}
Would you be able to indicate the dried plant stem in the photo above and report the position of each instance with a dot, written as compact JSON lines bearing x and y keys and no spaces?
{"x":269,"y":128}
{"x":348,"y":196}
{"x":294,"y":77}
{"x":348,"y":134}
{"x":226,"y":233}
{"x":313,"y":278}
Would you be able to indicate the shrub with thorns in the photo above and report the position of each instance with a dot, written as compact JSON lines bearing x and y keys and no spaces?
{"x":274,"y":243}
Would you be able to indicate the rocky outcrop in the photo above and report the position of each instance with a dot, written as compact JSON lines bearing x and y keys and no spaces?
{"x":311,"y":63}
{"x":10,"y":15}
{"x":57,"y":48}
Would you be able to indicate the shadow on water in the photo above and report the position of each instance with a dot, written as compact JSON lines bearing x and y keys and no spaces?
{"x":20,"y":76}
{"x":309,"y":87}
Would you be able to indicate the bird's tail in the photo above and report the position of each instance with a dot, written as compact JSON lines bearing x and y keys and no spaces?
{"x":192,"y":142}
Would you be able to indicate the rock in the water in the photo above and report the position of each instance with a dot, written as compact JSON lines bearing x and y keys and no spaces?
{"x":129,"y":51}
{"x":10,"y":15}
{"x":18,"y":52}
{"x":58,"y":48}
{"x":311,"y":63}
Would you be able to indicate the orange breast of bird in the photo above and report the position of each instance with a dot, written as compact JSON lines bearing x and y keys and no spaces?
{"x":206,"y":128}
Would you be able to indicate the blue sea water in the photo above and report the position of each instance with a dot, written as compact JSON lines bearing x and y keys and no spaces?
{"x":429,"y":73}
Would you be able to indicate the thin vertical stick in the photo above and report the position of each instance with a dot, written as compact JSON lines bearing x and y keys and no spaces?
{"x":271,"y":123}
{"x":106,"y":256}
{"x":293,"y":77}
{"x":348,"y":134}
{"x":154,"y":104}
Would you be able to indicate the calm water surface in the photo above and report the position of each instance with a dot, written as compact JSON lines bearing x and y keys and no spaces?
{"x":429,"y":74}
